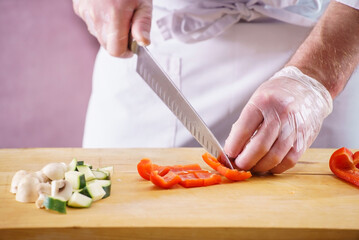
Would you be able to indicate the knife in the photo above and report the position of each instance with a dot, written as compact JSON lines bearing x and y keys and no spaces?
{"x":163,"y":86}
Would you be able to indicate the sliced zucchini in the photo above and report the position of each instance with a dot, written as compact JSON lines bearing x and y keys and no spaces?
{"x":87,"y":171}
{"x":106,"y":185}
{"x":90,"y":166}
{"x":77,"y":179}
{"x":108,"y":169}
{"x":79,"y":200}
{"x":79,"y":163}
{"x":72,"y":165}
{"x":55,"y":204}
{"x":100,"y":174}
{"x":93,"y":190}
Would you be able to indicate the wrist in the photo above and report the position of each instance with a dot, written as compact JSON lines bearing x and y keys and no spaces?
{"x":330,"y":54}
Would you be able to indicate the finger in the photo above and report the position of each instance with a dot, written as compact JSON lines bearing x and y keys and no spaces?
{"x":118,"y":30}
{"x":242,"y":130}
{"x":87,"y":14}
{"x":75,"y":5}
{"x":290,"y":159}
{"x":260,"y":144}
{"x":141,"y":23}
{"x":288,"y":162}
{"x":278,"y":151}
{"x":89,"y":20}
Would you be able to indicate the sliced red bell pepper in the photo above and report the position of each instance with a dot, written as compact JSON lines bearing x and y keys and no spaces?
{"x":234,"y":174}
{"x":209,"y":178}
{"x":144,"y":168}
{"x":356,"y":159}
{"x":181,"y":168}
{"x":342,"y":165}
{"x":189,"y":179}
{"x":166,"y":181}
{"x":198,"y":178}
{"x":191,"y":175}
{"x":211,"y":161}
{"x":231,"y":174}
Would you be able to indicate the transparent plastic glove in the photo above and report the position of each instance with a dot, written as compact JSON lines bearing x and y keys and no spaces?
{"x":282,"y":118}
{"x":110,"y":21}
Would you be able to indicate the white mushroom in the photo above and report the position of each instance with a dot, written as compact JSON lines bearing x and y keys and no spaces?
{"x":41,"y":176}
{"x":61,"y":189}
{"x":16,"y":179}
{"x":44,"y":188}
{"x":40,"y":201}
{"x":27,"y":190}
{"x":55,"y":171}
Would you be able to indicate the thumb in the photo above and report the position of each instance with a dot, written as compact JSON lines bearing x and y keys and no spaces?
{"x":141,"y":23}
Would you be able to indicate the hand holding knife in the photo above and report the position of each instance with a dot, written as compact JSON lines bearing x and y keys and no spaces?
{"x":163,"y":86}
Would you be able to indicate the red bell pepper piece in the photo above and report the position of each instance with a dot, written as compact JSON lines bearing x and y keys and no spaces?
{"x":231,"y":174}
{"x":144,"y":168}
{"x":342,"y":165}
{"x":234,"y":174}
{"x":166,"y":181}
{"x":191,"y":175}
{"x":356,"y":159}
{"x":198,"y":178}
{"x":211,"y":161}
{"x":189,"y":179}
{"x":181,"y":168}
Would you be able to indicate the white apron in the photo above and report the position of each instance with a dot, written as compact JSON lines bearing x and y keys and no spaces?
{"x":217,"y":75}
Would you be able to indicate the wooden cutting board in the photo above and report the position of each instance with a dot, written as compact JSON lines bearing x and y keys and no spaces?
{"x":307,"y":202}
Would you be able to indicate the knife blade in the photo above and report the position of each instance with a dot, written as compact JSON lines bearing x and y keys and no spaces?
{"x":161,"y":83}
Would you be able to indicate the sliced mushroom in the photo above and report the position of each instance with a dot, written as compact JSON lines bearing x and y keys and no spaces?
{"x":61,"y":189}
{"x":16,"y":179}
{"x":44,"y":188}
{"x":40,"y":201}
{"x":55,"y":171}
{"x":27,"y":190}
{"x":42,"y":177}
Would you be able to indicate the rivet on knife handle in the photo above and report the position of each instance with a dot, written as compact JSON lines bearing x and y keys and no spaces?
{"x":132,"y":44}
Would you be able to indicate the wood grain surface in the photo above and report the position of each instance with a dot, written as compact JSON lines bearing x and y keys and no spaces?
{"x":307,"y":202}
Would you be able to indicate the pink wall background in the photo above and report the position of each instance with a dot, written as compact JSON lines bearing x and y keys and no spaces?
{"x":46,"y":63}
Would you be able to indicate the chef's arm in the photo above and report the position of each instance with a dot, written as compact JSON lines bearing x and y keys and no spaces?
{"x":284,"y":115}
{"x":331,"y":52}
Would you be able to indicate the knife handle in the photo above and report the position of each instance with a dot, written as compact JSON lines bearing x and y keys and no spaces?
{"x":132,"y":44}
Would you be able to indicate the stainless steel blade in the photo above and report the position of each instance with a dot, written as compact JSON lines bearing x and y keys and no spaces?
{"x":164,"y":87}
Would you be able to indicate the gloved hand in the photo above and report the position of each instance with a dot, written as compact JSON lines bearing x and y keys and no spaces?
{"x":282,"y":118}
{"x":110,"y":22}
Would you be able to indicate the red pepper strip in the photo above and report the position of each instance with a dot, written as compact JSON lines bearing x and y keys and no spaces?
{"x":144,"y":168}
{"x":162,"y":170}
{"x":190,"y":175}
{"x":189,"y":179}
{"x":198,"y":178}
{"x":342,"y":165}
{"x":211,"y":161}
{"x":356,"y":159}
{"x":167,"y":181}
{"x":234,"y":175}
{"x":182,"y":168}
{"x":209,"y":178}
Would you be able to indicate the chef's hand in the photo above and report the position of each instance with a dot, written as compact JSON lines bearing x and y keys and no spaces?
{"x":281,"y":119}
{"x":110,"y":22}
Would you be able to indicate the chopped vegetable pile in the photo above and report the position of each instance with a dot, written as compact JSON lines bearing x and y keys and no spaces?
{"x":345,"y":165}
{"x":58,"y":185}
{"x":188,"y":175}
